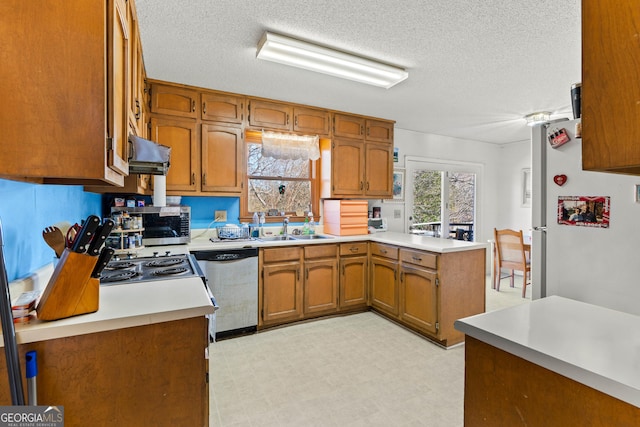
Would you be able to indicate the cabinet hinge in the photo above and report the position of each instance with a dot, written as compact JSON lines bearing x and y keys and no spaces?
{"x":437,"y":282}
{"x":262,"y":273}
{"x":437,"y":326}
{"x":206,"y":377}
{"x":109,"y":144}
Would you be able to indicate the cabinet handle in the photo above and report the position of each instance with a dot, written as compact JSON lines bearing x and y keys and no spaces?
{"x":361,"y":185}
{"x":402,"y":276}
{"x":367,"y":185}
{"x":193,"y":105}
{"x":241,"y":111}
{"x":343,"y":269}
{"x":295,"y":121}
{"x":395,"y":274}
{"x":204,"y":108}
{"x":193,"y":178}
{"x":298,"y":271}
{"x":361,"y":129}
{"x":287,"y":118}
{"x":204,"y":179}
{"x":138,"y":112}
{"x":383,"y":251}
{"x":353,"y":250}
{"x":368,"y":131}
{"x":415,"y":258}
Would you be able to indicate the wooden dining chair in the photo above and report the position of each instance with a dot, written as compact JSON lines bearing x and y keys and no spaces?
{"x":511,"y":254}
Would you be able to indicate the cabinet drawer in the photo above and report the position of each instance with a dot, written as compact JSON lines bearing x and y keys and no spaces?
{"x":320,"y":251}
{"x":424,"y":259}
{"x":281,"y":254}
{"x":383,"y":250}
{"x":353,"y":248}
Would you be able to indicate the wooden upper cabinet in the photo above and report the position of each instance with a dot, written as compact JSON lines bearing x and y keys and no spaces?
{"x":379,"y":170}
{"x":377,"y":130}
{"x":174,"y":101}
{"x":222,"y":150}
{"x":311,"y":120}
{"x":270,"y":115}
{"x":610,"y":86}
{"x":222,"y":107}
{"x":118,"y":75}
{"x":348,"y":126}
{"x":347,"y":165}
{"x":180,"y":135}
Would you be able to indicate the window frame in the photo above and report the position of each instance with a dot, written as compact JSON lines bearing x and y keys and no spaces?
{"x":255,"y":137}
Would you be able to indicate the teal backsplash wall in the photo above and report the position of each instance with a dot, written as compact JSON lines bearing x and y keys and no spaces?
{"x":26,"y":209}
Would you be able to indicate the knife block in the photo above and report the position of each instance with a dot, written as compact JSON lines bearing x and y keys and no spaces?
{"x":71,"y":290}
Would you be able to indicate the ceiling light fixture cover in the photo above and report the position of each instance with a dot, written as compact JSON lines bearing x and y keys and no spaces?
{"x":537,"y":118}
{"x":297,"y":53}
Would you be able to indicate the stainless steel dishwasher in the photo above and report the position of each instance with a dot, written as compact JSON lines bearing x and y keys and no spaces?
{"x":232,"y":276}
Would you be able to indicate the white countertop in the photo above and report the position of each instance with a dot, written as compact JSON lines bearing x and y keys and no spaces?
{"x":592,"y":345}
{"x":411,"y":241}
{"x":127,"y":305}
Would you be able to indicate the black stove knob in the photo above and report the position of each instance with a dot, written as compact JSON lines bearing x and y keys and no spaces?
{"x":167,"y":253}
{"x":155,"y":254}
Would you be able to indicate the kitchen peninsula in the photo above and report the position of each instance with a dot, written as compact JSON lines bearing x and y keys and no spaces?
{"x":553,"y":362}
{"x":139,"y":360}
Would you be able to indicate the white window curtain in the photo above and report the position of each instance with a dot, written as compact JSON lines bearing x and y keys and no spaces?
{"x":290,"y":147}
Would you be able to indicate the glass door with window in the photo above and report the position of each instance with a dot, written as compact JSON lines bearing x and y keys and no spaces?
{"x":440,"y":199}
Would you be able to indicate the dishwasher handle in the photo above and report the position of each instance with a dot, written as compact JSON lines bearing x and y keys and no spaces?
{"x":225,"y":255}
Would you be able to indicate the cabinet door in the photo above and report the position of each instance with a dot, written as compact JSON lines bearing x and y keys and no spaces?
{"x":174,"y":101}
{"x":320,"y":286}
{"x":282,"y":293}
{"x":310,"y":120}
{"x":379,"y":131}
{"x":222,"y":159}
{"x":354,"y":281}
{"x":347,"y":171}
{"x":270,"y":115}
{"x":610,"y":90}
{"x":379,"y":169}
{"x":384,"y":285}
{"x":418,"y":298}
{"x":348,"y":126}
{"x":222,"y":108}
{"x":180,"y":135}
{"x":118,"y":87}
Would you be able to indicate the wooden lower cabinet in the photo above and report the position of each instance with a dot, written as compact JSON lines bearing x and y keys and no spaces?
{"x":502,"y":389}
{"x":320,"y":279}
{"x":354,"y":275}
{"x":153,"y":375}
{"x":418,"y":296}
{"x":423,"y":291}
{"x":384,"y":278}
{"x":281,"y":286}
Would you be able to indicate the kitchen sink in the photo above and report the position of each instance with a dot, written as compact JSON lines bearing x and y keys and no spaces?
{"x":311,"y":237}
{"x":275,"y":238}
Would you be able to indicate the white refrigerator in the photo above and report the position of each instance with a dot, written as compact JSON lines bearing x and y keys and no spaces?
{"x":575,"y":255}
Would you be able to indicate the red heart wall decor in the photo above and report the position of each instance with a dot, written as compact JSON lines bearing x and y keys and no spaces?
{"x":560,"y":179}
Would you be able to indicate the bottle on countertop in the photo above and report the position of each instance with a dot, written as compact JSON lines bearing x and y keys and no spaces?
{"x":305,"y":227}
{"x":312,"y":225}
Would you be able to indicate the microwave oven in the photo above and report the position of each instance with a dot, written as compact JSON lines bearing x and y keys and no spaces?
{"x":166,"y":225}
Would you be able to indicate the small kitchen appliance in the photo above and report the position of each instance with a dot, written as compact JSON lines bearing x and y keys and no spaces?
{"x":163,"y":225}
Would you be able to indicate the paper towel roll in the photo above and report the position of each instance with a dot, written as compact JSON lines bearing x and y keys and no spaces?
{"x":159,"y":190}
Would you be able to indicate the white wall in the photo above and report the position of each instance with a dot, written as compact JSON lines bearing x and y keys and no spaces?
{"x":514,"y":158}
{"x":436,"y":147}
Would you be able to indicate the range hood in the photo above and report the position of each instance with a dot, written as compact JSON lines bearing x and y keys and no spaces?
{"x":148,"y":157}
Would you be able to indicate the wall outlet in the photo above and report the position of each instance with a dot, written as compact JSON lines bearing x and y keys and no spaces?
{"x":220,"y":216}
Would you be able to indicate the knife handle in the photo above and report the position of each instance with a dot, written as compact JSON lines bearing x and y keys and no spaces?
{"x":103,"y":260}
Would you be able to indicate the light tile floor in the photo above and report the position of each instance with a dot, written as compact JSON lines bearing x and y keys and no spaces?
{"x":355,"y":370}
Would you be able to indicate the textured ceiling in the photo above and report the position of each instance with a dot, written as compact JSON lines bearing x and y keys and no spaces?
{"x":476,"y":67}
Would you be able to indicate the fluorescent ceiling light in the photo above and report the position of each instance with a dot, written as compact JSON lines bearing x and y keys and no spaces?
{"x":537,"y":118}
{"x":296,"y":53}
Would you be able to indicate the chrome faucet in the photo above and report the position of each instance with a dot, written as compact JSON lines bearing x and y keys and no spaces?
{"x":285,"y":223}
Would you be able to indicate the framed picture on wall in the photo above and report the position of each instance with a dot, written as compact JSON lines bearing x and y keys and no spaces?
{"x":526,"y":187}
{"x":398,"y":184}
